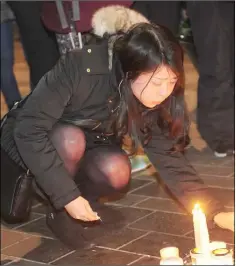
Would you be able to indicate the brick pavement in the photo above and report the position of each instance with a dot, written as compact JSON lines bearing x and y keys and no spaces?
{"x":148,"y":221}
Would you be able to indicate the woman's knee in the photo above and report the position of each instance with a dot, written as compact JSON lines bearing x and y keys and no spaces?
{"x":69,"y":141}
{"x":118,"y":170}
{"x":109,"y":165}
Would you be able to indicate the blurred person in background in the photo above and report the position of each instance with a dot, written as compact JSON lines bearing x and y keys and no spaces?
{"x":9,"y":87}
{"x":165,"y":13}
{"x":213,"y":30}
{"x":39,"y":44}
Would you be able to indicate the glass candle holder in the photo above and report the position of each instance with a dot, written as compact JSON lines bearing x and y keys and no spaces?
{"x":222,"y":256}
{"x":198,"y":258}
{"x":217,"y":244}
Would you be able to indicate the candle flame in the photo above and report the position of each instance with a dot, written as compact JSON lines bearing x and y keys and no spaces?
{"x":197,"y":209}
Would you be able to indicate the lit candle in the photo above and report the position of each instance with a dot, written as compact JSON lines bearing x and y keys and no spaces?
{"x":201,"y":233}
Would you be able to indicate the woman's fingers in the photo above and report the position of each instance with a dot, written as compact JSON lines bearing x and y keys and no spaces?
{"x":93,"y":216}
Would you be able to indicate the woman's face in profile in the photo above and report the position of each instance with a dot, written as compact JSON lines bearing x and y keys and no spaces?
{"x":151,"y":89}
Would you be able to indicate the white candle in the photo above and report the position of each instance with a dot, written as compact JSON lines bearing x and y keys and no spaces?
{"x":172,"y":261}
{"x":169,"y":252}
{"x":170,"y":256}
{"x":201,"y":233}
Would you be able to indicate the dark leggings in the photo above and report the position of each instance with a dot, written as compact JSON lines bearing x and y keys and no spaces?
{"x":98,"y":170}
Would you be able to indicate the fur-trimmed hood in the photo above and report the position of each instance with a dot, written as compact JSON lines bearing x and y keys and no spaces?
{"x":114,"y":19}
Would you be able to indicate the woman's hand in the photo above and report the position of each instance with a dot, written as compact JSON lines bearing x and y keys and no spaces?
{"x":80,"y":209}
{"x":225,"y":220}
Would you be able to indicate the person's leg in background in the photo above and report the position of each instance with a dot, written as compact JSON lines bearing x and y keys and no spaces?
{"x":168,"y":14}
{"x":212,"y":25}
{"x":39,"y":44}
{"x":9,"y":85}
{"x":165,"y":13}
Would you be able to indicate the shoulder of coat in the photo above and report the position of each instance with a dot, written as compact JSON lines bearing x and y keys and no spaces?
{"x":92,"y":59}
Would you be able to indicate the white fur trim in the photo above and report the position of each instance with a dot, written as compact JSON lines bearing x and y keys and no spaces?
{"x":112,"y":19}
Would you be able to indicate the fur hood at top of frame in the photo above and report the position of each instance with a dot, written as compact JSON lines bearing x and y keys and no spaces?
{"x":112,"y":20}
{"x":115,"y":19}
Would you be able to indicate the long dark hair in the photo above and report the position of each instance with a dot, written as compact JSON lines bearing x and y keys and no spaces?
{"x":145,"y":48}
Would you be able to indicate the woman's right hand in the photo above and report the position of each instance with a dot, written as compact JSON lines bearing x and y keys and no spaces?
{"x":80,"y":209}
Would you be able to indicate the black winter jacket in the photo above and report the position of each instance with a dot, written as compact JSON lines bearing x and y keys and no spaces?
{"x":59,"y":94}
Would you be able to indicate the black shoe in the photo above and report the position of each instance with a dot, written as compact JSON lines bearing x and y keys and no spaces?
{"x":222,"y":151}
{"x":68,"y":230}
{"x":77,"y":234}
{"x":73,"y":233}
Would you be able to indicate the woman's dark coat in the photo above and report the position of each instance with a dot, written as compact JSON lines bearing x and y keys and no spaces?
{"x":58,"y":95}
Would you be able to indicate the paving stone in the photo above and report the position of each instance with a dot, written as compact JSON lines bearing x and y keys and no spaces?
{"x":206,"y":157}
{"x":27,"y":263}
{"x":226,"y":196}
{"x":97,"y":256}
{"x":38,"y":227}
{"x":37,"y":249}
{"x":229,"y":162}
{"x":222,"y":182}
{"x":154,"y":242}
{"x":152,"y":190}
{"x":36,"y":201}
{"x":136,"y":183}
{"x":119,"y":238}
{"x":6,"y":259}
{"x":147,"y":261}
{"x":161,"y":205}
{"x":230,"y":208}
{"x":203,"y":160}
{"x":42,"y":209}
{"x":113,"y":216}
{"x":214,"y":170}
{"x":128,"y":200}
{"x":230,"y":204}
{"x":232,"y":175}
{"x":171,"y":223}
{"x":9,"y":237}
{"x":33,"y":217}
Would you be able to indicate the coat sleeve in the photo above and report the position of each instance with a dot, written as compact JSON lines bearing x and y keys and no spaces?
{"x":40,"y":113}
{"x":179,"y":177}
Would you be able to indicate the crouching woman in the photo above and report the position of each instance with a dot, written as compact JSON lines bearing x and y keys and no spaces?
{"x":69,"y":132}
